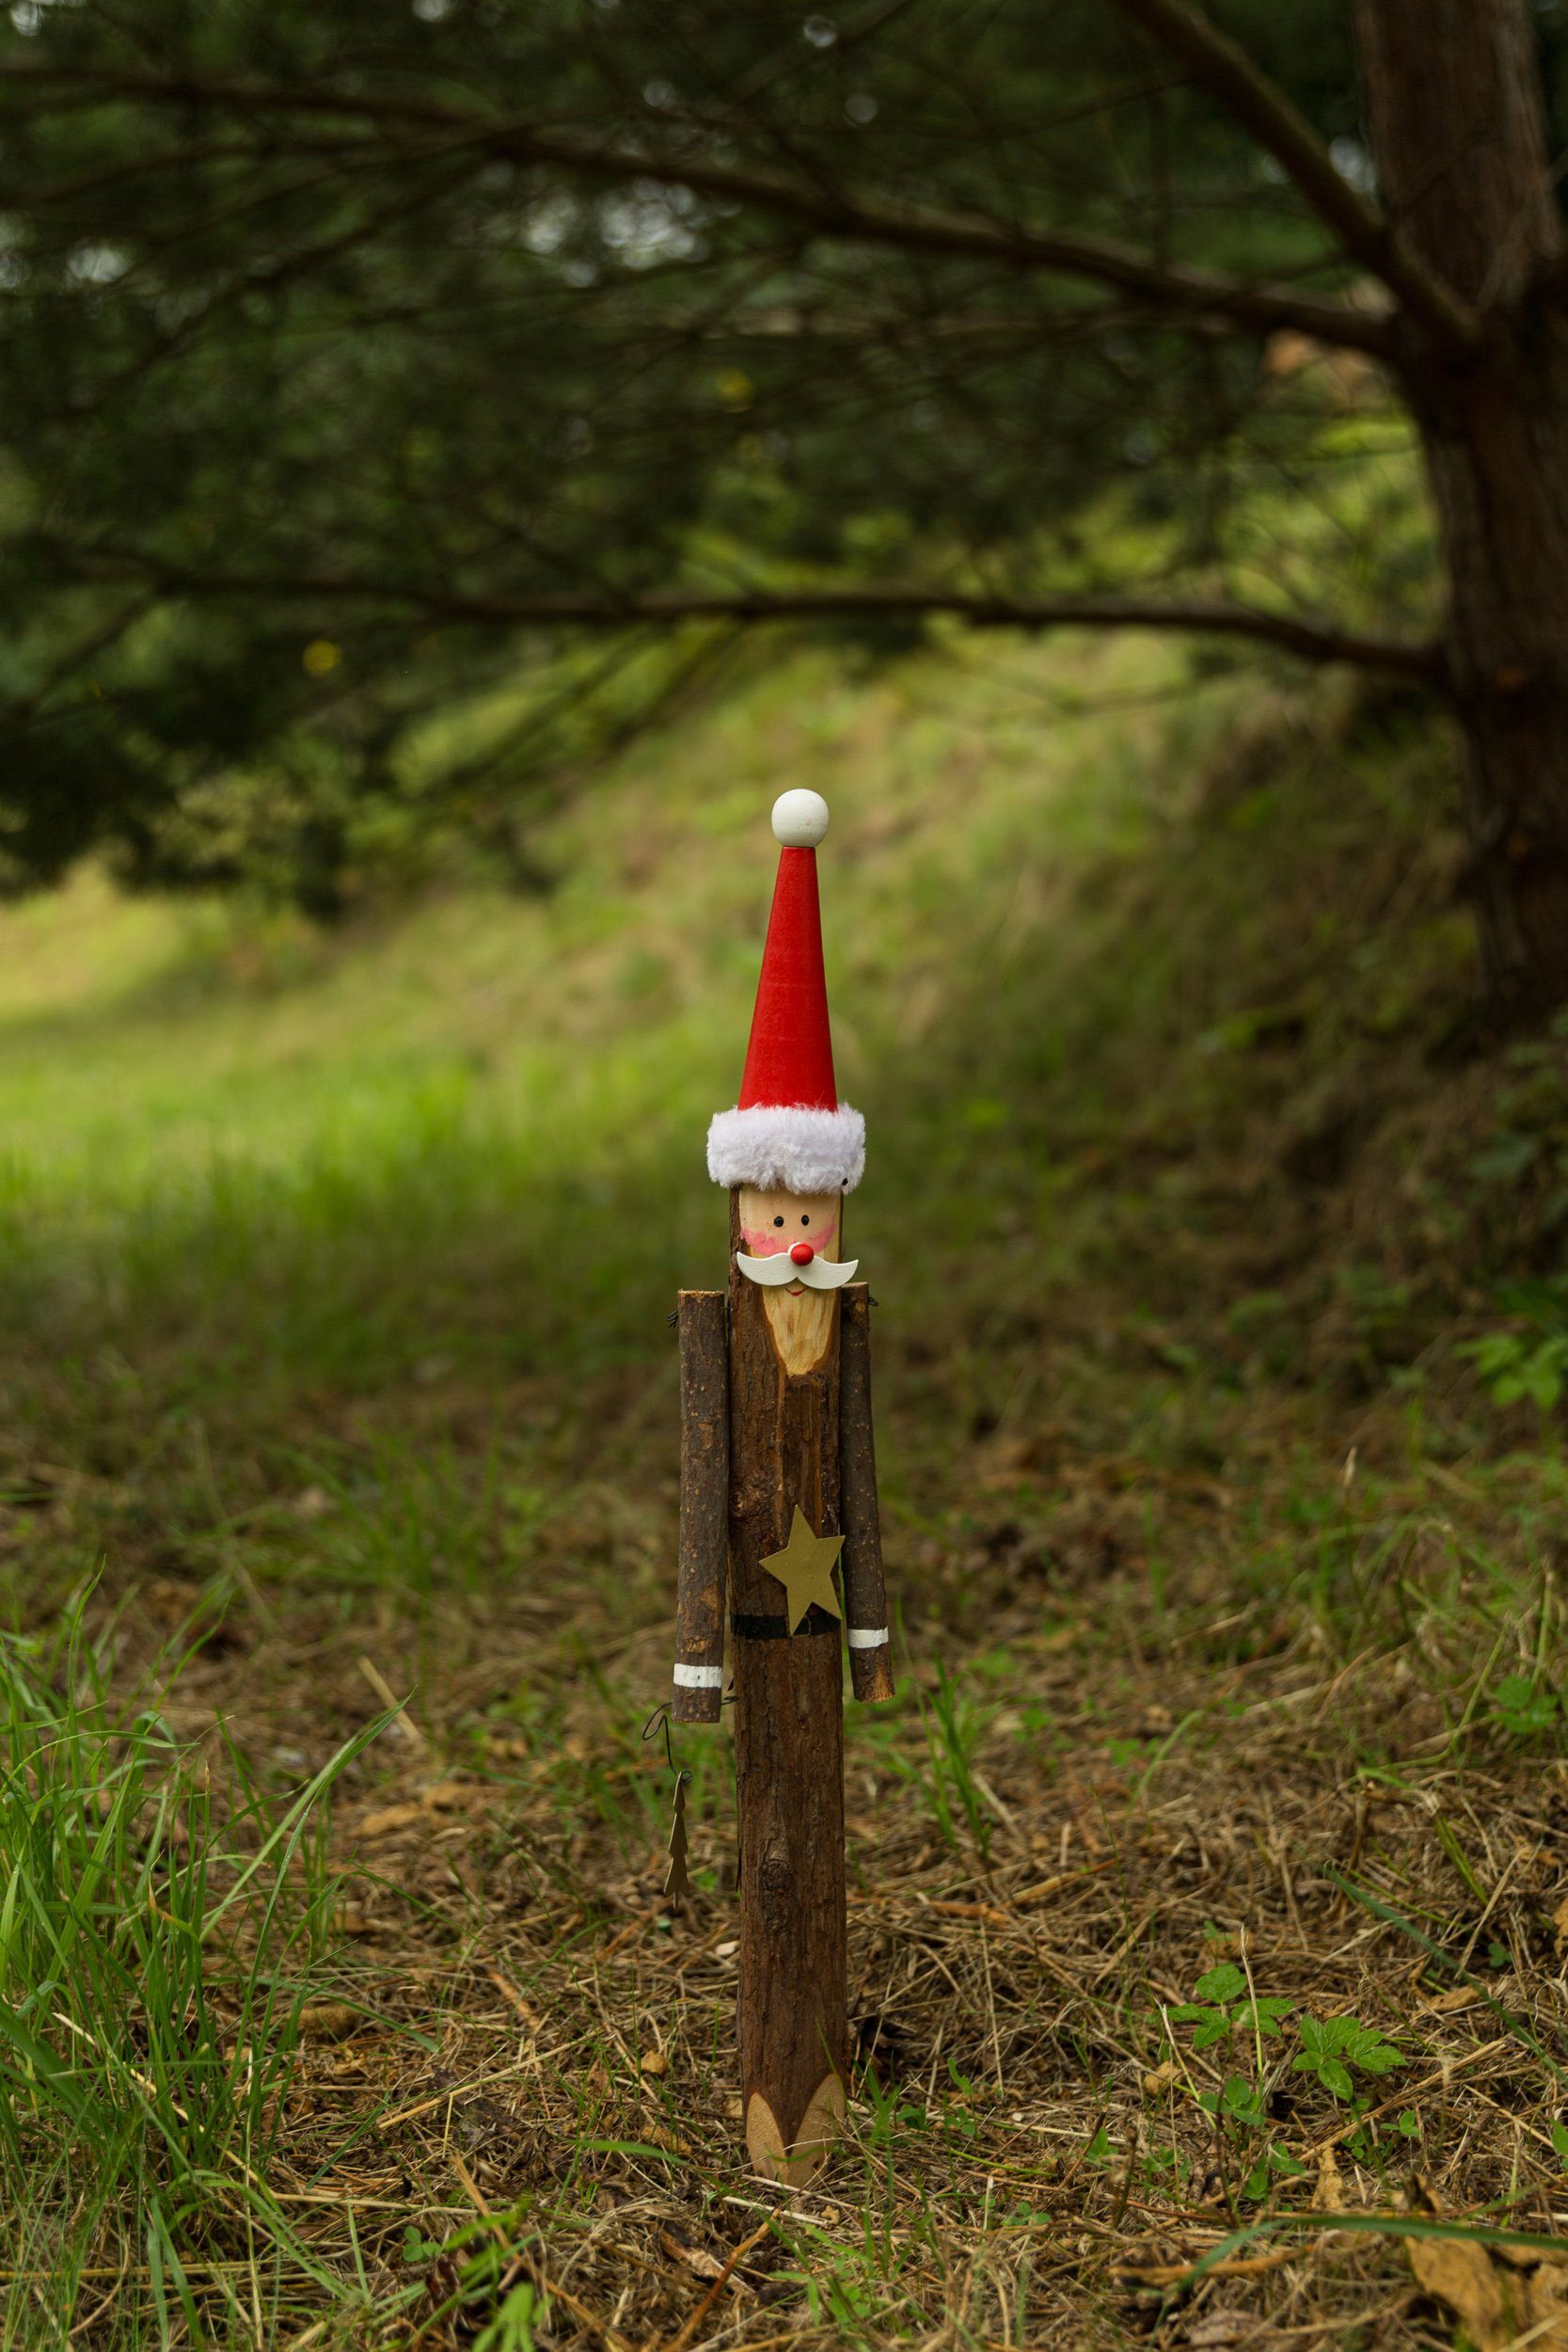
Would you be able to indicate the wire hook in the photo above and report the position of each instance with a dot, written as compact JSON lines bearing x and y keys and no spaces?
{"x":661,"y":1716}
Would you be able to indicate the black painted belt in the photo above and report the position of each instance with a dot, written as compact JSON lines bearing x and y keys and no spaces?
{"x":751,"y":1628}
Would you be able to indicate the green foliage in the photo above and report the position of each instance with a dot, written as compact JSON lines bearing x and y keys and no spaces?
{"x":471,"y":2280}
{"x":1515,"y":1368}
{"x":1527,"y":1144}
{"x":1334,"y":2050}
{"x":1331,"y":2052}
{"x":1525,"y":1706}
{"x":337,"y":340}
{"x":1223,"y":2006}
{"x":1237,"y":2108}
{"x":892,"y":2112}
{"x":156,"y":1948}
{"x":1216,"y":2011}
{"x":1528,"y":1365}
{"x":954,"y":1725}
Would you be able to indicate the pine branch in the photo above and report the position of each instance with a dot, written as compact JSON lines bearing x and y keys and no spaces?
{"x":1221,"y":66}
{"x":1308,"y":639}
{"x":1178,"y":289}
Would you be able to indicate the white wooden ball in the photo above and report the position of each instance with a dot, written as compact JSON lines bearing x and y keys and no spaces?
{"x":800,"y":818}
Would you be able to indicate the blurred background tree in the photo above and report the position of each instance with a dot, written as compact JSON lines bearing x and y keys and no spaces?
{"x":371,"y":362}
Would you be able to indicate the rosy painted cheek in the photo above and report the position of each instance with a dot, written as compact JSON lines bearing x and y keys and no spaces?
{"x":767,"y":1241}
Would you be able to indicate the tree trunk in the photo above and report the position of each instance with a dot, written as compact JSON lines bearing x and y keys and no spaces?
{"x":1454,"y":108}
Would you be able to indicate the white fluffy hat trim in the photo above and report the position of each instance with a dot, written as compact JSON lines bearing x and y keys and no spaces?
{"x":784,"y":1146}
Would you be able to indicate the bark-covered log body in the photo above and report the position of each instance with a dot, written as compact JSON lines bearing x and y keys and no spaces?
{"x":788,"y":1746}
{"x":699,"y":1678}
{"x":1456,"y":112}
{"x":864,"y":1591}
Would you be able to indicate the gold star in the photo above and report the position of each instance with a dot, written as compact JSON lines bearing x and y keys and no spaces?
{"x":805,"y":1569}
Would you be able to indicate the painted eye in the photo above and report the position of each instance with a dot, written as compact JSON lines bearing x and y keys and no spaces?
{"x":778,"y":1220}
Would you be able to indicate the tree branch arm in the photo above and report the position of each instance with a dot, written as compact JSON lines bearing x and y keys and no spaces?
{"x":828,"y":210}
{"x":1308,"y":639}
{"x":1220,"y":66}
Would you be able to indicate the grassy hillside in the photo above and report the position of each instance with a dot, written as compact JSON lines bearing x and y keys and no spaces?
{"x":335,"y":1365}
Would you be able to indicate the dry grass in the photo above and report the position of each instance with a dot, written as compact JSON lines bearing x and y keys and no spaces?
{"x":515,"y":2104}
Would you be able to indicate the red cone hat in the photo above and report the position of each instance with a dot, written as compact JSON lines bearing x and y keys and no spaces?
{"x":789,"y":1130}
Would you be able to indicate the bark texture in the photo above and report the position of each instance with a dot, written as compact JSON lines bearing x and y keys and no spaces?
{"x":1456,"y":119}
{"x":788,"y":1749}
{"x":864,"y":1590}
{"x":704,"y":1503}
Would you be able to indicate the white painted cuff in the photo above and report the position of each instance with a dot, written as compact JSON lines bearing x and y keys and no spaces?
{"x":700,"y":1678}
{"x":867,"y":1637}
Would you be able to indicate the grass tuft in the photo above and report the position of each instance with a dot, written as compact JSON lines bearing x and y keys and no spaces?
{"x":159,"y":1927}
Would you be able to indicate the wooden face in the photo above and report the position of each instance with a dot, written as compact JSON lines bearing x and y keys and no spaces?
{"x":803,"y":1322}
{"x":774,"y":1221}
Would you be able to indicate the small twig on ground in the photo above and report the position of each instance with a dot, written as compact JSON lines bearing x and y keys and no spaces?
{"x":384,"y":1691}
{"x":1234,"y":2267}
{"x":695,"y":2318}
{"x":624,"y":1935}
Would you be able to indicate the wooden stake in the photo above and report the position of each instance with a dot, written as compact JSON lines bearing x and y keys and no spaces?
{"x":699,"y":1680}
{"x":783,"y":1396}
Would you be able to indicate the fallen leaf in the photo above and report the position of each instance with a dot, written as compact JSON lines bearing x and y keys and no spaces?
{"x":1463,"y":2277}
{"x":696,"y":2258}
{"x":1331,"y":2188}
{"x":1560,"y":1922}
{"x":1150,"y":2260}
{"x":446,"y":1796}
{"x":390,"y":1817}
{"x":525,"y":2009}
{"x":1545,"y":2312}
{"x":1497,"y":2307}
{"x":1223,"y":2327}
{"x":1458,"y":1996}
{"x":327,"y":2021}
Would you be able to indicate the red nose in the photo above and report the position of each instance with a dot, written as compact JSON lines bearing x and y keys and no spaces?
{"x":800,"y":1255}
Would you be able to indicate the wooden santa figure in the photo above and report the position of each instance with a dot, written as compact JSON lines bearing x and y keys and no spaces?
{"x":778,"y":1493}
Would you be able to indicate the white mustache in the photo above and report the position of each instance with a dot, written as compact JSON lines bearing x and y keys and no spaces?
{"x":820,"y":1274}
